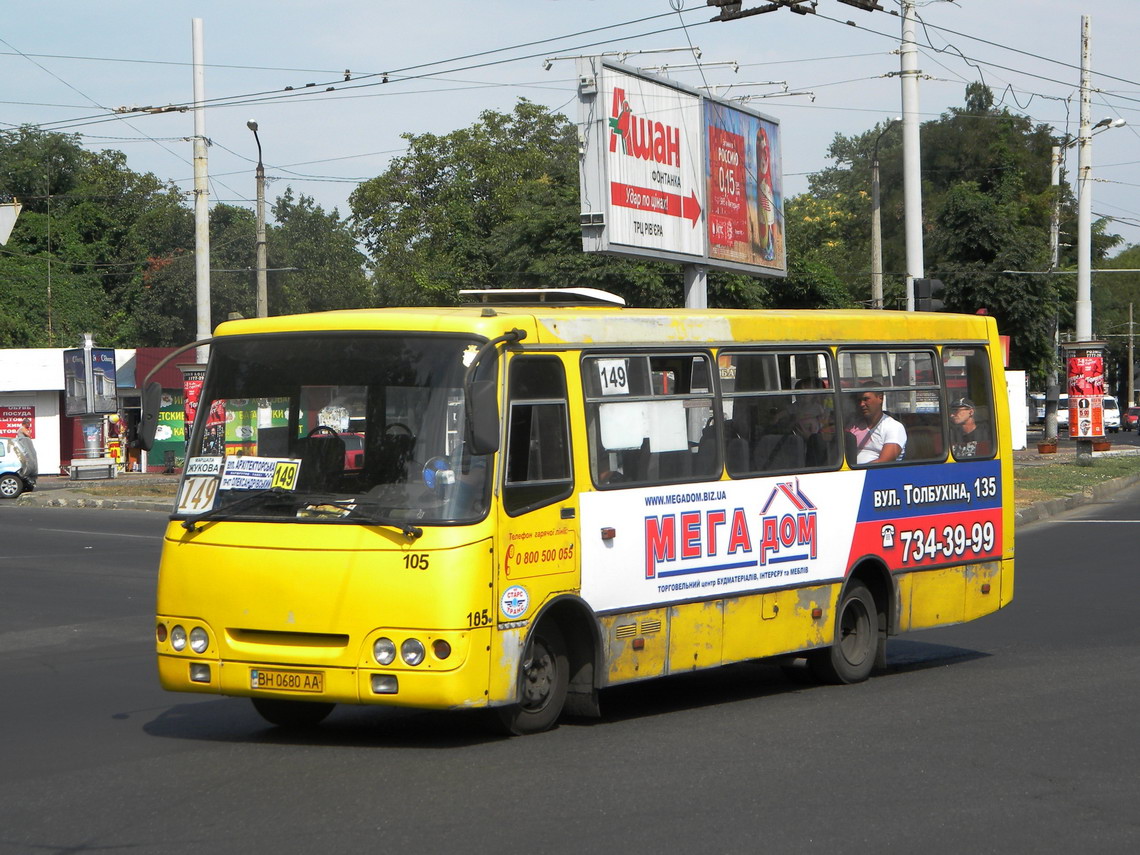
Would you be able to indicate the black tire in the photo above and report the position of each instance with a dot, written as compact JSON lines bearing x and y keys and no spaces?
{"x":851,"y":655}
{"x":544,"y":674}
{"x":10,"y":486}
{"x":292,"y":715}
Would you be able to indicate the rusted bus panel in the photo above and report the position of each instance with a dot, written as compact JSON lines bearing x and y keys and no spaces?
{"x":505,"y":654}
{"x":983,"y":589}
{"x":950,"y":595}
{"x":937,"y":598}
{"x":1006,"y":582}
{"x":777,"y":622}
{"x":696,"y":635}
{"x":624,"y":663}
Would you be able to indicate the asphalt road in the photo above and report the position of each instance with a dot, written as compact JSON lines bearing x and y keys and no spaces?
{"x":1013,"y":733}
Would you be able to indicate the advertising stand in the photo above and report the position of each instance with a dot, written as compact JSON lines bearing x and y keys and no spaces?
{"x":89,"y":392}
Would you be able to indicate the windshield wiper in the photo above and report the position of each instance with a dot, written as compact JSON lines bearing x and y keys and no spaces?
{"x":348,"y":510}
{"x":224,"y":511}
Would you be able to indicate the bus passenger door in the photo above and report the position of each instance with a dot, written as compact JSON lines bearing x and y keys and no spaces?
{"x":538,"y":511}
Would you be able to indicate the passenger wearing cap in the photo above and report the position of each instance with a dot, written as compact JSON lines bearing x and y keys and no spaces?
{"x":968,"y":438}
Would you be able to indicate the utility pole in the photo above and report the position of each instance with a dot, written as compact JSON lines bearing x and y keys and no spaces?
{"x":877,"y":225}
{"x":912,"y":167}
{"x":201,"y":196}
{"x":1084,"y":190}
{"x":1054,"y":389}
{"x":262,"y":286}
{"x":1131,"y":361}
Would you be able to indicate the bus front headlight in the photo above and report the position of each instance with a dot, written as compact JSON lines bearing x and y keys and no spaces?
{"x":199,"y":640}
{"x":384,"y":650}
{"x":178,"y":637}
{"x":412,"y":651}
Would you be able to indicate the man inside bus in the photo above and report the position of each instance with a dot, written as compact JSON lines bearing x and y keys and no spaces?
{"x":969,"y":439}
{"x":879,"y":438}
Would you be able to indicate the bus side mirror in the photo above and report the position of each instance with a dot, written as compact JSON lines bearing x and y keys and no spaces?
{"x":483,"y":417}
{"x":151,"y":401}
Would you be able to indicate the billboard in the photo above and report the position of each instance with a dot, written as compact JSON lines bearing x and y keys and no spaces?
{"x":669,"y":173}
{"x":89,"y":381}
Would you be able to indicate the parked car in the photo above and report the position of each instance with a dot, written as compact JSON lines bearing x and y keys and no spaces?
{"x":1131,"y":419}
{"x":1111,"y":414}
{"x":19,"y":466}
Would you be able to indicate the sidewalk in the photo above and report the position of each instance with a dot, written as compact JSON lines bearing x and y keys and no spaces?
{"x":145,"y":492}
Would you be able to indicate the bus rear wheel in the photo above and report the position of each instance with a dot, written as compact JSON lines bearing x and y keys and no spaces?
{"x":544,"y":675}
{"x":851,"y":655}
{"x":293,"y":715}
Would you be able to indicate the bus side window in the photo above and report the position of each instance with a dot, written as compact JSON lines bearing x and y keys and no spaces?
{"x":780,"y":412}
{"x":537,"y":455}
{"x":970,"y":407}
{"x":650,"y":418}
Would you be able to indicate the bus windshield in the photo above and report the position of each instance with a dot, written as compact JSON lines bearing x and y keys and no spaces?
{"x":335,"y":427}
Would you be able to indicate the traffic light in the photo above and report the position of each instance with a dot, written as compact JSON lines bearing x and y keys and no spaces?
{"x":928,"y":295}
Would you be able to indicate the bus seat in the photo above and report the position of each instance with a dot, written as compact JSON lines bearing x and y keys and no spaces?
{"x":777,"y":451}
{"x":673,"y":465}
{"x":924,"y":442}
{"x":322,"y":462}
{"x":705,"y":462}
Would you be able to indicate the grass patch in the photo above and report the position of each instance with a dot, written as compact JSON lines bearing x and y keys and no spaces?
{"x":1037,"y":483}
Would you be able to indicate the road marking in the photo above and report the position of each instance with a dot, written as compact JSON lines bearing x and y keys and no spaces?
{"x":1111,"y":522}
{"x":103,"y":533}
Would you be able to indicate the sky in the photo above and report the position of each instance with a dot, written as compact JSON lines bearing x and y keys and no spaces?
{"x":81,"y":67}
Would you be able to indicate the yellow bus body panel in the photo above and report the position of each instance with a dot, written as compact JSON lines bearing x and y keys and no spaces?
{"x":291,"y":605}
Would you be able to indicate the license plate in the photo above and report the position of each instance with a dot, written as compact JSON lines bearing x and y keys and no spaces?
{"x":287,"y":681}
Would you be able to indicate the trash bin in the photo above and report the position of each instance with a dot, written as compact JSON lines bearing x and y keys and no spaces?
{"x":168,"y":463}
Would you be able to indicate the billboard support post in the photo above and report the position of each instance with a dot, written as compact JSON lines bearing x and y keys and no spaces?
{"x":696,"y":286}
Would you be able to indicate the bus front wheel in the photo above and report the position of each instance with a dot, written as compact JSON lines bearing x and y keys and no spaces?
{"x":851,"y":655}
{"x":544,"y":675}
{"x":294,"y":715}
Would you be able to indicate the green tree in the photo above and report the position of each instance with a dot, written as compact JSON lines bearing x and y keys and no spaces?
{"x":987,"y":203}
{"x":318,"y":266}
{"x":496,"y":205}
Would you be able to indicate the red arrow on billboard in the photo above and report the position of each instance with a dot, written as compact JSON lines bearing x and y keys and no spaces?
{"x":656,"y":201}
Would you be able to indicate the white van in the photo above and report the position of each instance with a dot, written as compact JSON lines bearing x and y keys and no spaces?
{"x":1111,"y":414}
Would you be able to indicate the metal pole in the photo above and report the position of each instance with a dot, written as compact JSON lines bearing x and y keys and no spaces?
{"x":262,"y":285}
{"x":201,"y":196}
{"x":877,"y":225}
{"x":1131,"y":362}
{"x":876,"y":236}
{"x":1053,"y":388}
{"x":1084,"y":191}
{"x":912,"y":175}
{"x":696,"y":286}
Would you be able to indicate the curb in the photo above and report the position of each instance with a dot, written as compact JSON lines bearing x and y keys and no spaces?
{"x":1053,"y":507}
{"x":44,"y":500}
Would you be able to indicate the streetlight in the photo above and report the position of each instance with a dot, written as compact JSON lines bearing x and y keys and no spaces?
{"x":262,"y":285}
{"x":876,"y":224}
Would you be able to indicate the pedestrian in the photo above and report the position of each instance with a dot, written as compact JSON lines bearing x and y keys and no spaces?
{"x":25,"y":429}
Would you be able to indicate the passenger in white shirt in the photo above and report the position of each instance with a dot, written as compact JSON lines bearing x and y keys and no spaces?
{"x":879,"y":438}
